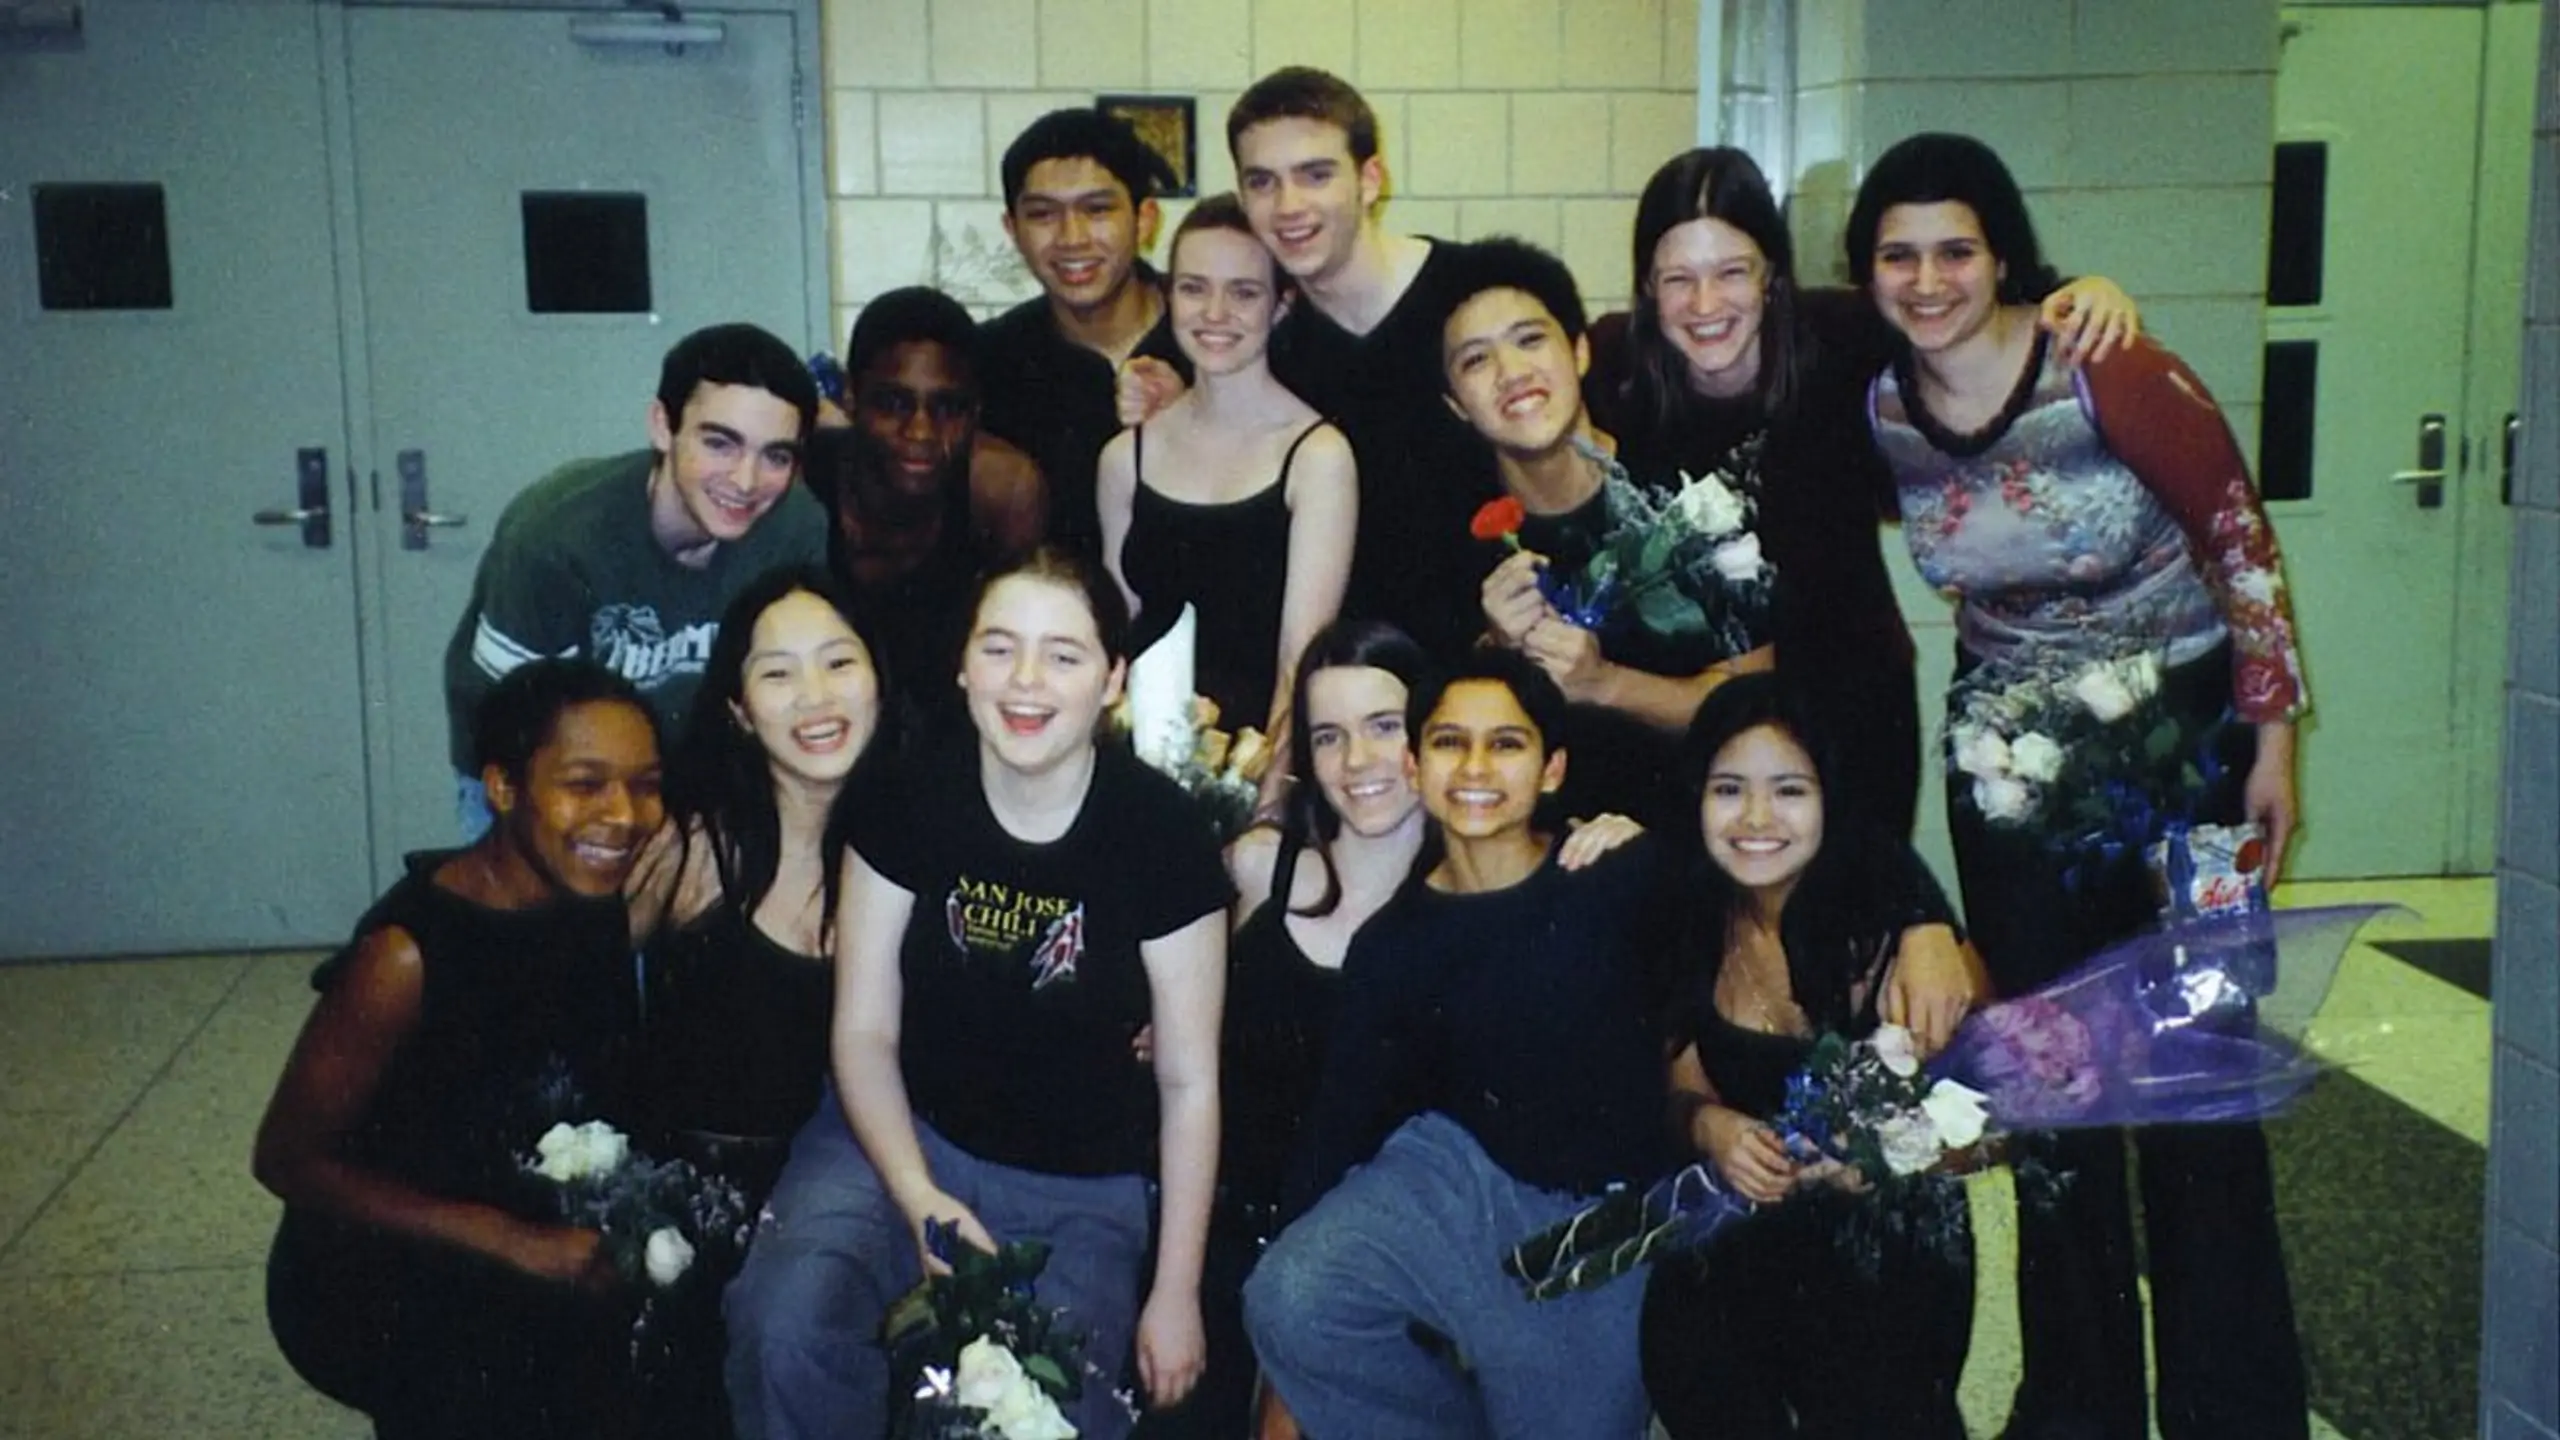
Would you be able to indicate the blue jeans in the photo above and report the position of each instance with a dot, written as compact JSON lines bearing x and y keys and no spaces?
{"x":471,"y":813}
{"x":1410,"y":1246}
{"x":833,"y":1252}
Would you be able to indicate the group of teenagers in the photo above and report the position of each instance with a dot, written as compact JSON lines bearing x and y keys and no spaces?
{"x":1538,"y":907}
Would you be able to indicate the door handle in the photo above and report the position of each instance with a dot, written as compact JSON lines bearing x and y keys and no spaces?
{"x":311,"y":491}
{"x":2507,"y":458}
{"x":415,"y":518}
{"x":2428,"y":475}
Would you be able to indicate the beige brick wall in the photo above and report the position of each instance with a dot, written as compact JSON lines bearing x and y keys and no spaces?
{"x":1539,"y":118}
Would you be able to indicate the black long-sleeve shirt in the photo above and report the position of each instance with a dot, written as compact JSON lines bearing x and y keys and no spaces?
{"x":1522,"y":1014}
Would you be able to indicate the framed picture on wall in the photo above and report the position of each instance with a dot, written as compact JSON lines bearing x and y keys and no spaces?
{"x":1169,"y":126}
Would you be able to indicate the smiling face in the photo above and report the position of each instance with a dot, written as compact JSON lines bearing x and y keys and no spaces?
{"x":1761,"y":815}
{"x":1512,"y":373}
{"x":586,"y":800}
{"x":1078,"y":231}
{"x":808,"y":691}
{"x":1935,"y":278}
{"x":913,"y":408}
{"x":1709,"y":283}
{"x":1306,"y":196}
{"x":1355,"y":732}
{"x":1482,"y":763}
{"x":726,"y":461}
{"x":1225,"y":299}
{"x":1035,"y":674}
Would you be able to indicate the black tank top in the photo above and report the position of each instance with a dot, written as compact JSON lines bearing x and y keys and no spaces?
{"x":737,"y":1028}
{"x":1279,"y":1019}
{"x":1230,"y":561}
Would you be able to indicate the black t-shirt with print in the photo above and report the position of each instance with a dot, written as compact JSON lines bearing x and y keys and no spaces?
{"x":1023,"y":982}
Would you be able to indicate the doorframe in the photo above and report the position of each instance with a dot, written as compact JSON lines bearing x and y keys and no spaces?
{"x":373,"y":620}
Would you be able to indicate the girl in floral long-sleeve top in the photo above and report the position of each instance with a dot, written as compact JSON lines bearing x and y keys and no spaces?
{"x":2077,"y":517}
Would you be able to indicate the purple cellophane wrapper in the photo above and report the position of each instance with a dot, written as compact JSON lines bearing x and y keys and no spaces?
{"x":2195,"y":1022}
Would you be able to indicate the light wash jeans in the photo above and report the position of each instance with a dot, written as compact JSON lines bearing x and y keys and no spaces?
{"x":832,"y":1253}
{"x":1413,"y":1242}
{"x":471,"y":813}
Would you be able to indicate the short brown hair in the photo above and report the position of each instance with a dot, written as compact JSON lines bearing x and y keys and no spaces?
{"x":1302,"y":92}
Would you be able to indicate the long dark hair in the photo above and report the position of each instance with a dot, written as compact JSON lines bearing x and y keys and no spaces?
{"x":1306,"y":820}
{"x":1847,"y":909}
{"x":1933,"y":168}
{"x":1712,"y":183}
{"x":719,"y":785}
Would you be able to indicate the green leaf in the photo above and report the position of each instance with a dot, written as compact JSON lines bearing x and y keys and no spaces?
{"x":1049,"y":1375}
{"x":1667,"y":612}
{"x":1658,"y":543}
{"x":2161,"y":743}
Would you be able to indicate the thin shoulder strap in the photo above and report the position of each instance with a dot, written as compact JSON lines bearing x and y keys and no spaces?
{"x":1138,"y":454}
{"x":1290,"y":457}
{"x":1284,"y":869}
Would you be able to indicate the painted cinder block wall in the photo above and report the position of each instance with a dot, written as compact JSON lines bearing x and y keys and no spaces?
{"x":1539,"y":118}
{"x":2520,"y":1366}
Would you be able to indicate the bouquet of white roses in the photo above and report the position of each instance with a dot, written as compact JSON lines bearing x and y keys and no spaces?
{"x":1686,"y":564}
{"x":657,"y":1216}
{"x":989,"y":1361}
{"x":2084,"y":753}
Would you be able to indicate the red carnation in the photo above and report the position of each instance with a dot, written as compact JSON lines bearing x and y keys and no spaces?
{"x":1499,"y":519}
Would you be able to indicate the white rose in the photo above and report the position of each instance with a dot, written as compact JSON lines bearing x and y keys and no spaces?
{"x":989,"y":1375}
{"x":2002,"y":799}
{"x":1029,"y":1414}
{"x":1893,"y":1046}
{"x":1980,"y":752}
{"x":1957,"y":1111}
{"x":1707,"y":507}
{"x":2034,"y":757}
{"x":1738,"y":559}
{"x":2102,"y":691}
{"x":1910,"y":1143}
{"x":2141,"y":675}
{"x":668,"y":1255}
{"x":572,"y":1152}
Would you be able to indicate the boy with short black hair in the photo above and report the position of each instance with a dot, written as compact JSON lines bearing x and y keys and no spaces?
{"x":630,"y":560}
{"x":919,"y":502}
{"x":1079,"y":195}
{"x":1506,"y":995}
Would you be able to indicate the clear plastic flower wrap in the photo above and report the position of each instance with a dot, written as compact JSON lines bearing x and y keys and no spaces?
{"x":2196,"y":1023}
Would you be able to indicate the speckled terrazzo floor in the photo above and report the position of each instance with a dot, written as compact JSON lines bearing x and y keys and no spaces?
{"x":132,"y":1238}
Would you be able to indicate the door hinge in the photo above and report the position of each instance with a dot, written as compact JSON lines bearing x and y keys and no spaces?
{"x":799,"y":101}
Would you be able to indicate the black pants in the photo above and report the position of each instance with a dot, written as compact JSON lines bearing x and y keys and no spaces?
{"x":2229,"y":1361}
{"x":436,"y":1344}
{"x":1777,"y":1331}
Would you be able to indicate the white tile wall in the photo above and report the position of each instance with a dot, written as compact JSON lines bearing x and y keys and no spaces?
{"x":984,"y":44}
{"x":2159,"y":242}
{"x":1537,"y":221}
{"x":1645,"y":129}
{"x":1407,"y":44}
{"x":1614,"y":44}
{"x":2027,"y":121}
{"x":1559,"y":143}
{"x":853,"y":143}
{"x":2159,"y":37}
{"x":1093,"y":45}
{"x":2173,"y":130}
{"x":1459,"y":144}
{"x":1532,"y":117}
{"x":1322,"y":33}
{"x":1941,"y":39}
{"x":1510,"y":44}
{"x":933,"y":143}
{"x":1199,"y":44}
{"x":884,"y":45}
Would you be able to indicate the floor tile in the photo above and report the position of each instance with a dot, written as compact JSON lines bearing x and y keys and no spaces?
{"x":38,"y":1152}
{"x":190,"y":1133}
{"x":82,"y":1038}
{"x":117,"y":1357}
